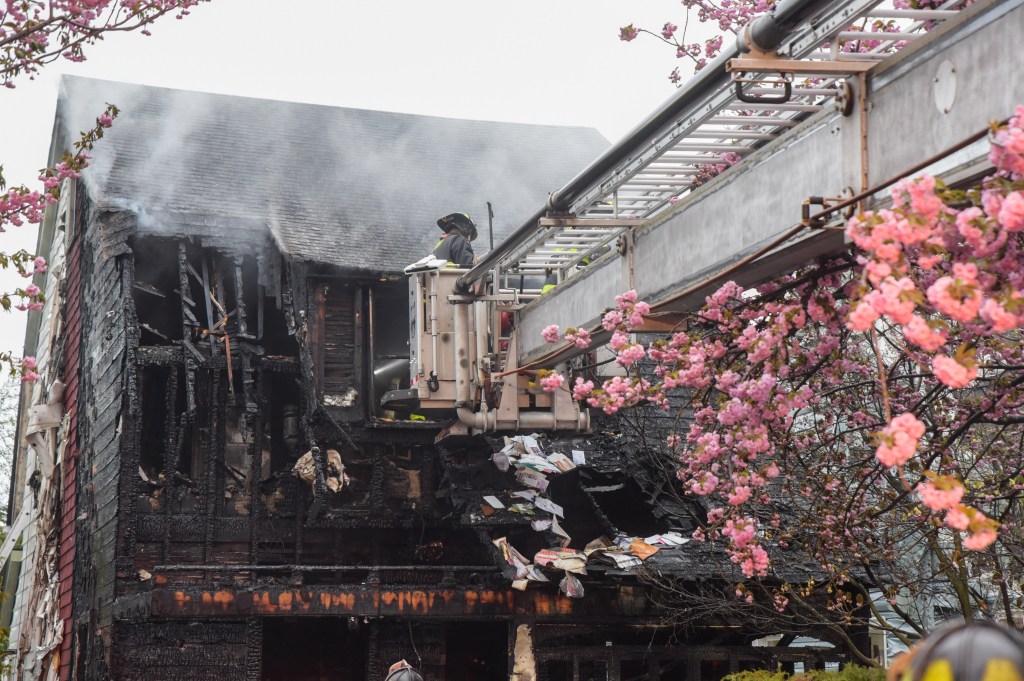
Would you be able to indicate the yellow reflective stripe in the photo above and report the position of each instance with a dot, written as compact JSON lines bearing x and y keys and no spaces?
{"x":939,"y":670}
{"x":1001,"y":669}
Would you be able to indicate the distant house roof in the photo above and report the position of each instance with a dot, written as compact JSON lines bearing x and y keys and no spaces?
{"x":352,"y":188}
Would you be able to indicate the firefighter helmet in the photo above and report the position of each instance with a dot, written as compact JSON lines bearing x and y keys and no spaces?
{"x":967,"y":651}
{"x":402,"y":671}
{"x":460,"y":220}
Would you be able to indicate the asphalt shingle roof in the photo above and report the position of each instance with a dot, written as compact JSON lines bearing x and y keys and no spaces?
{"x":353,"y":188}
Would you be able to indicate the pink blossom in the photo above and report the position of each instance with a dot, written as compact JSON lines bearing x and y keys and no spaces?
{"x":619,"y":340}
{"x":740,"y":532}
{"x":1011,"y":214}
{"x":29,"y":376}
{"x":552,"y":382}
{"x":739,"y":495}
{"x":611,"y":320}
{"x":626,"y":300}
{"x":898,"y":441}
{"x":920,"y":333}
{"x":895,"y":299}
{"x":29,"y":362}
{"x":578,"y":337}
{"x":673,"y":441}
{"x":756,"y":563}
{"x":32,"y":290}
{"x":940,"y":494}
{"x":628,"y":33}
{"x":704,"y":484}
{"x":967,"y":223}
{"x":952,"y":373}
{"x":956,"y":518}
{"x":630,"y":354}
{"x":999,"y":317}
{"x":981,"y":540}
{"x":919,"y":197}
{"x":956,"y":297}
{"x":668,"y":30}
{"x":877,"y":271}
{"x":862,"y":317}
{"x":582,"y":389}
{"x":550,"y":333}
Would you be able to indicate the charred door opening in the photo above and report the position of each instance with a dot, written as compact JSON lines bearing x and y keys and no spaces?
{"x":314,"y":649}
{"x":477,"y":651}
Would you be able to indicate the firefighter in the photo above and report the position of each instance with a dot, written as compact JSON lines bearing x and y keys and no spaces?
{"x":968,"y":651}
{"x":456,"y":245}
{"x":402,"y":671}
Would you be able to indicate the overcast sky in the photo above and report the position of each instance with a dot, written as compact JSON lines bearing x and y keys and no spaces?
{"x":532,"y":61}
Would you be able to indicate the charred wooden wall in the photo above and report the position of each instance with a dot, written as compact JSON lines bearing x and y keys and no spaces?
{"x":187,"y":650}
{"x":102,"y":395}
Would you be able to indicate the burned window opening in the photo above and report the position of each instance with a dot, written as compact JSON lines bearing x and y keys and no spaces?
{"x":273,"y":333}
{"x":389,"y":344}
{"x":337,"y":347}
{"x":163,"y":402}
{"x":156,"y":280}
{"x":282,"y":431}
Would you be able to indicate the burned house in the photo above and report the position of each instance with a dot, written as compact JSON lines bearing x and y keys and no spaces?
{"x":211,"y":487}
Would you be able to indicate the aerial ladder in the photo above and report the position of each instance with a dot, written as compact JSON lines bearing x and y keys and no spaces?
{"x":802,"y":109}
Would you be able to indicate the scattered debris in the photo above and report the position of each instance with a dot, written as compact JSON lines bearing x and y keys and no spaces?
{"x":335,"y":476}
{"x":345,"y":401}
{"x":532,"y":470}
{"x":571,"y":586}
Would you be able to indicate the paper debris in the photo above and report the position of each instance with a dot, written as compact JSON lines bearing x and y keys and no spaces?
{"x":623,"y":561}
{"x":519,"y":584}
{"x":570,"y":586}
{"x":642,"y":549}
{"x":535,"y":575}
{"x":563,"y":537}
{"x":563,"y":559}
{"x":532,"y":479}
{"x":523,"y":508}
{"x":549,"y":506}
{"x":578,"y":457}
{"x":527,"y":494}
{"x":599,"y":544}
{"x":493,"y":502}
{"x":562,"y":462}
{"x":541,"y":524}
{"x":513,"y":557}
{"x":501,"y":461}
{"x":667,"y":539}
{"x":530,"y":443}
{"x":537,"y":463}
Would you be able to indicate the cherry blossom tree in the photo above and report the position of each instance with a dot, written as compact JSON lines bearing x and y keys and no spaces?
{"x":34,"y":33}
{"x":865,"y":413}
